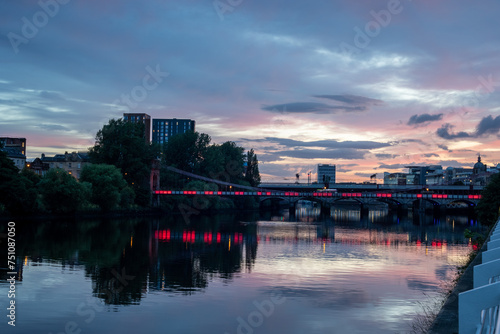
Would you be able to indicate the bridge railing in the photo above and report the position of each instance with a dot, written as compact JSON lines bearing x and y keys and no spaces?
{"x":478,"y":308}
{"x":319,"y":194}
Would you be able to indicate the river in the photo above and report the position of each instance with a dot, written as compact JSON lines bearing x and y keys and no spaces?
{"x":346,"y":272}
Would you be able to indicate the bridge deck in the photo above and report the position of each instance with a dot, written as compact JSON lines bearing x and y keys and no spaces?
{"x":396,"y":195}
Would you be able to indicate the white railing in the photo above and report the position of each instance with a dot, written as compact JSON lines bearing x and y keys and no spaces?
{"x":478,"y":308}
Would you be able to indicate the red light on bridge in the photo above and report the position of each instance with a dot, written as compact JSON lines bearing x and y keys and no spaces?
{"x":474,"y":196}
{"x":219,"y":193}
{"x":209,"y":192}
{"x":218,"y":237}
{"x":259,"y":193}
{"x":268,"y":194}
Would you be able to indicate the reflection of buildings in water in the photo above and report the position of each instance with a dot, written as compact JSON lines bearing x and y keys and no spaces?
{"x":341,"y":214}
{"x":379,"y":215}
{"x":269,"y":232}
{"x":461,"y":220}
{"x":307,"y":211}
{"x":373,"y":237}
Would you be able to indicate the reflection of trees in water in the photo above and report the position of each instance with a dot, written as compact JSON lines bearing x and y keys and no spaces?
{"x":186,"y":266}
{"x":120,"y":254}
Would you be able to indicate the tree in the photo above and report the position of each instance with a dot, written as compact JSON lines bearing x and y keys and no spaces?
{"x":252,"y":174}
{"x":186,"y":151}
{"x":489,"y":205}
{"x":61,"y":192}
{"x":17,"y":191}
{"x":122,"y":144}
{"x":233,"y":161}
{"x":108,"y":185}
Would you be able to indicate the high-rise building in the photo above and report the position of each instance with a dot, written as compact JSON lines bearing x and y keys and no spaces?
{"x":140,"y":118}
{"x":19,"y":144}
{"x":163,"y":129}
{"x":326,"y":174}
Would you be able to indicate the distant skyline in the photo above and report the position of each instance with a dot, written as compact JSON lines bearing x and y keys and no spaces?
{"x":369,"y":86}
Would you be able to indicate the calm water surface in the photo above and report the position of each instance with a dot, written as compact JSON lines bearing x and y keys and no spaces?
{"x":347,"y":272}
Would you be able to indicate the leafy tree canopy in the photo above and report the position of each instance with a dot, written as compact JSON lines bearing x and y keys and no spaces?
{"x":61,"y":192}
{"x":488,"y":207}
{"x":108,"y":185}
{"x":192,"y":152}
{"x":123,"y":145}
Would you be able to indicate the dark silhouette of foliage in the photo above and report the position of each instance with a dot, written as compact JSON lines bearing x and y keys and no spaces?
{"x":489,"y":205}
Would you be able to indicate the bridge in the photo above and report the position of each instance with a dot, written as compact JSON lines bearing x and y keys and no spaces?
{"x":329,"y":196}
{"x":363,"y":194}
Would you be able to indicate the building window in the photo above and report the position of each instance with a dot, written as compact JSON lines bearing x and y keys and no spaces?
{"x":79,"y":165}
{"x":69,"y":165}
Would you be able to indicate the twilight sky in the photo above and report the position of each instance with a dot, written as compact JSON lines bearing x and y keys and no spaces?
{"x":370,"y":86}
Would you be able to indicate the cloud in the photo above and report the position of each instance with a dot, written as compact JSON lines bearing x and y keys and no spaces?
{"x":385,"y":156}
{"x":53,"y":127}
{"x":452,"y":163}
{"x":348,"y":154}
{"x":428,"y":155}
{"x":444,"y":132}
{"x":443,"y":147}
{"x":343,"y":168}
{"x":392,"y":166}
{"x":332,"y":144}
{"x":51,"y":95}
{"x":424,"y":118}
{"x":488,"y":125}
{"x":351,"y":99}
{"x":309,"y":107}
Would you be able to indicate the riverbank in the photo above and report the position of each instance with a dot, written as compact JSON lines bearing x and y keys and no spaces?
{"x":447,"y":318}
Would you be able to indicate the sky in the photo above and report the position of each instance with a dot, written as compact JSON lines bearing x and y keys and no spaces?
{"x":370,"y":86}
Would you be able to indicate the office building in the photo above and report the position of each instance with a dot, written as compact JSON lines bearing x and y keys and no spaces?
{"x":140,"y":118}
{"x":163,"y":129}
{"x":326,"y":174}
